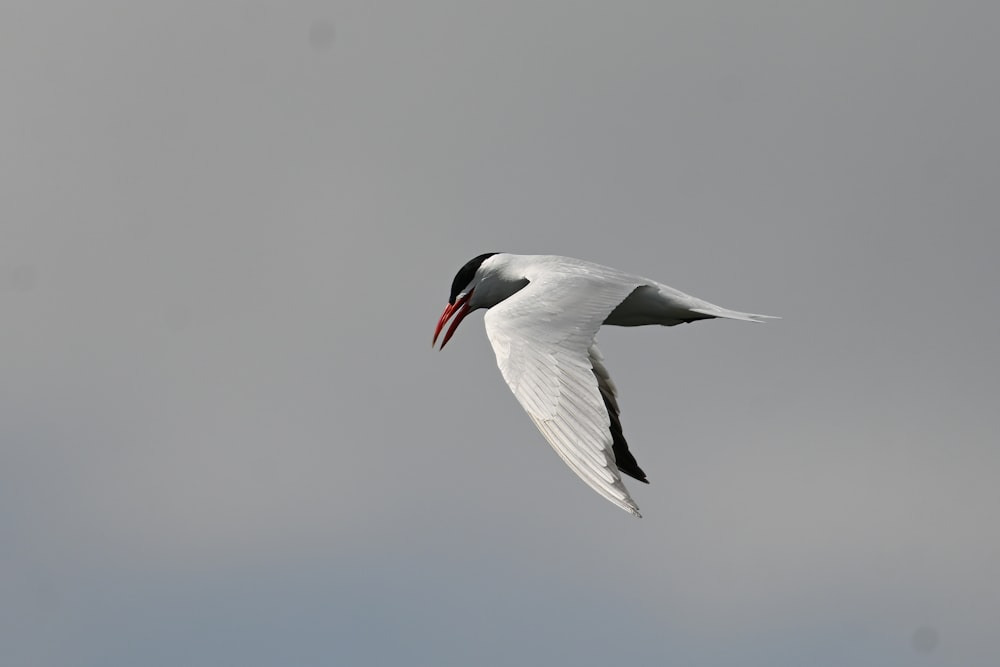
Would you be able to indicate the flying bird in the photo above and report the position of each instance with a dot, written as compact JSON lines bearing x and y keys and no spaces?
{"x":544,"y":313}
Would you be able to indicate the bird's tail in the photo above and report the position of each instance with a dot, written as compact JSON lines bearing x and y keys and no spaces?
{"x":715,"y":311}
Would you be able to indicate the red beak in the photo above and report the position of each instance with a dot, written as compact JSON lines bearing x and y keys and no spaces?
{"x":460,"y":309}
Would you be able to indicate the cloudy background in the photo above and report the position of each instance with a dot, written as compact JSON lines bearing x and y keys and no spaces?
{"x":228,"y":228}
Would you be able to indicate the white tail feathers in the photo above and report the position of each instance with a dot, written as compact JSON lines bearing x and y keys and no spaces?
{"x":734,"y":314}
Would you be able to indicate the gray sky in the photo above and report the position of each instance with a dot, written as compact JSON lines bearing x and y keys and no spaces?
{"x":228,"y":228}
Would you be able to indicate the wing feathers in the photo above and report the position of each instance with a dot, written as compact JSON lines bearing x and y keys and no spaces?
{"x":623,"y":457}
{"x":546,"y":355}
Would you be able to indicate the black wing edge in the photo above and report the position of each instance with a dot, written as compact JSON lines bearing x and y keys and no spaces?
{"x":624,"y":460}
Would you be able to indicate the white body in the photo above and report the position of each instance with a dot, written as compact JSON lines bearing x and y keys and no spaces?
{"x":544,"y":314}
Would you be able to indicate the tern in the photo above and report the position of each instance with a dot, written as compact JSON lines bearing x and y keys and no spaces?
{"x":543,"y":315}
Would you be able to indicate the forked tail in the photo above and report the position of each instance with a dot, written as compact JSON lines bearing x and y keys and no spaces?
{"x":715,"y":311}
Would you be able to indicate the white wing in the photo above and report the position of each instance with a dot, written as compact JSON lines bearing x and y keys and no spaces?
{"x":543,"y":338}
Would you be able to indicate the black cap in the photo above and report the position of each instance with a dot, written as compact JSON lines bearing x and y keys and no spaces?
{"x":466,"y":274}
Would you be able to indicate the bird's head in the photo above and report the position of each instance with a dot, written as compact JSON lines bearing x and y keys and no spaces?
{"x":460,"y":302}
{"x":482,"y":282}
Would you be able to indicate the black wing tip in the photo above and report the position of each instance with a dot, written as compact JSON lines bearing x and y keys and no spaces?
{"x":635,"y":473}
{"x":624,"y":460}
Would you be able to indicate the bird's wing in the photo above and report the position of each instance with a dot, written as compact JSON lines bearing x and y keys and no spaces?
{"x":543,"y":337}
{"x":624,"y":460}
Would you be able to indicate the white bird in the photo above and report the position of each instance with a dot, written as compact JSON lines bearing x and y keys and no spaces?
{"x":544,"y":313}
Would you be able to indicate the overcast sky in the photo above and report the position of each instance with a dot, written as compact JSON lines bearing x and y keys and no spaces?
{"x":227,"y":230}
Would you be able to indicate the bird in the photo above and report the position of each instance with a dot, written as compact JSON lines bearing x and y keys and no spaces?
{"x":543,"y":315}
